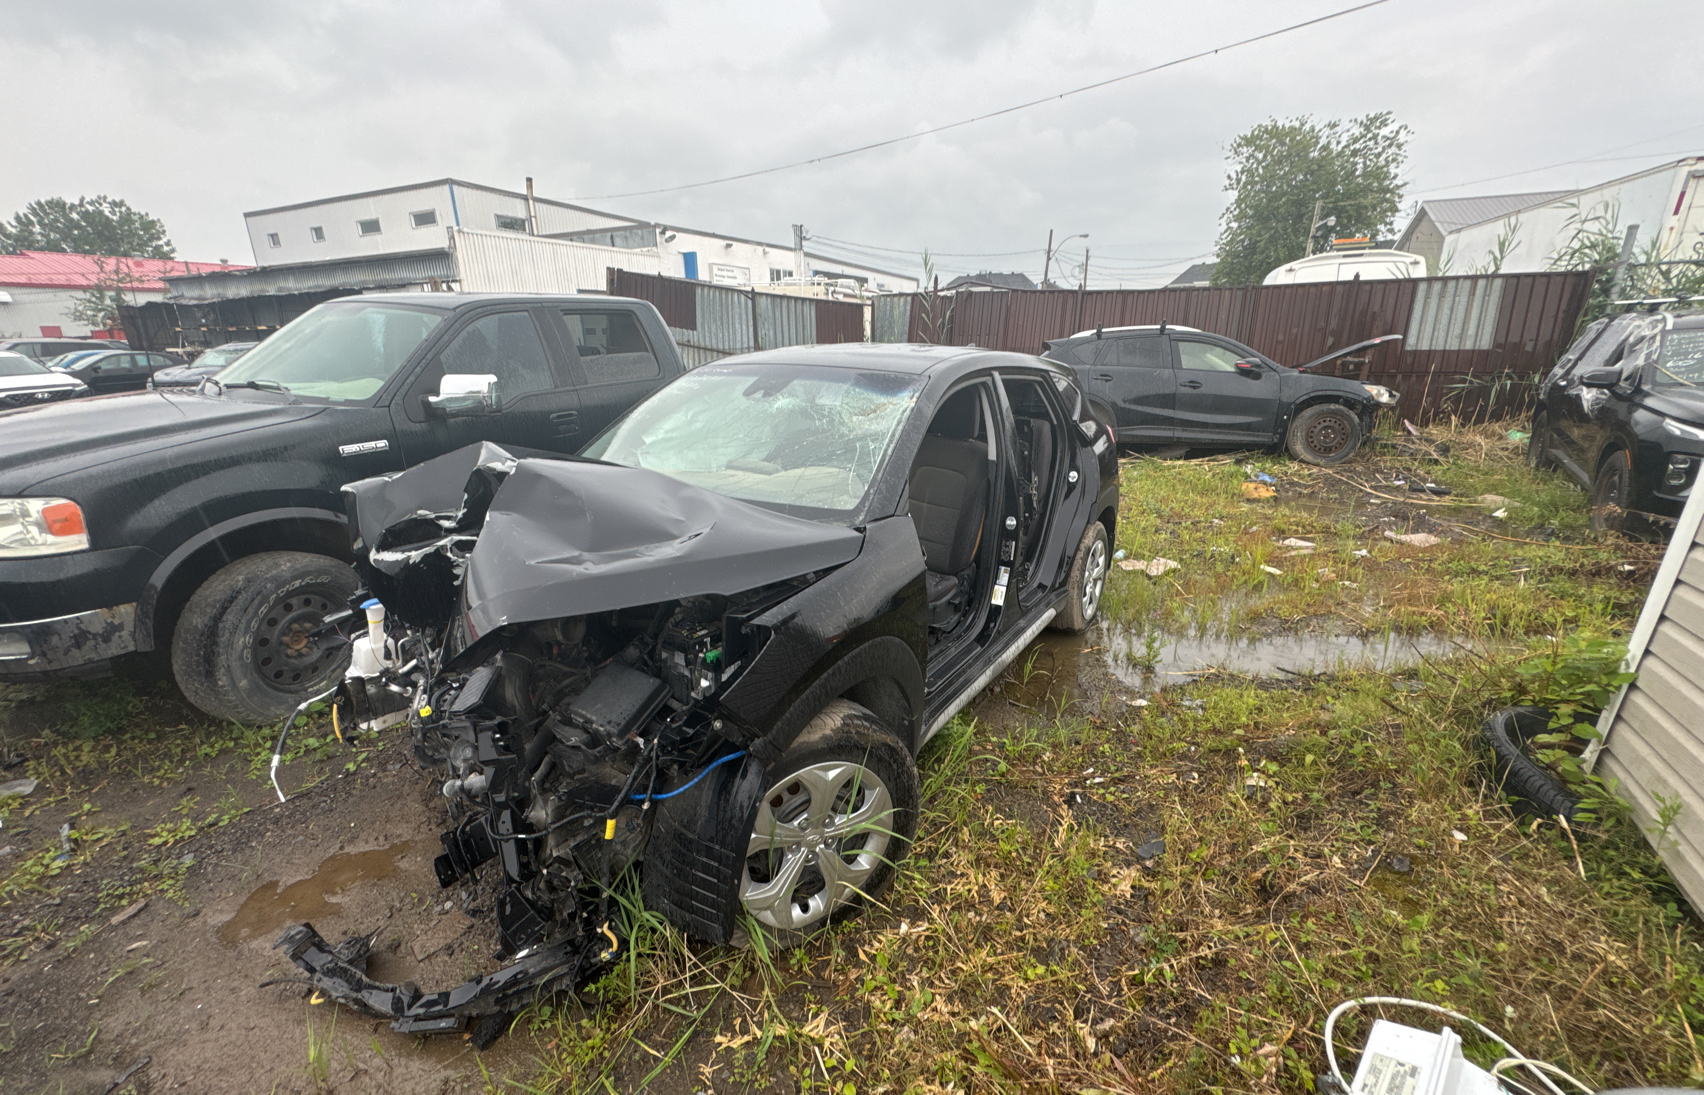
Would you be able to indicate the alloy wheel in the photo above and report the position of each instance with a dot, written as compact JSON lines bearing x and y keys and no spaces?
{"x":1094,"y":578}
{"x":820,"y":834}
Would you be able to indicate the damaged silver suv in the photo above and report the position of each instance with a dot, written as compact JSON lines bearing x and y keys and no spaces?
{"x":711,"y":646}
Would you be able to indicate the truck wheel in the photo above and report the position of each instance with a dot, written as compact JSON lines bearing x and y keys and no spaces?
{"x":1325,"y":433}
{"x":1538,"y":445}
{"x":241,"y":650}
{"x":1610,"y":489}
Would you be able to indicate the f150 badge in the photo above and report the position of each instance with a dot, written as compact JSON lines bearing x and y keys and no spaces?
{"x":363,"y":446}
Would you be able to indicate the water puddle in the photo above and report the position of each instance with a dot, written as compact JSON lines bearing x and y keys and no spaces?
{"x":272,"y":905}
{"x":1049,"y":674}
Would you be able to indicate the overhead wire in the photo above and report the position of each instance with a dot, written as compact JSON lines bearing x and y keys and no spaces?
{"x":873,"y":145}
{"x":1595,"y":157}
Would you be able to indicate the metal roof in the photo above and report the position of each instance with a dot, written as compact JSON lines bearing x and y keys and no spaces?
{"x":1197,"y":274}
{"x":63,"y":270}
{"x":1450,"y":214}
{"x":365,"y":272}
{"x":427,"y":185}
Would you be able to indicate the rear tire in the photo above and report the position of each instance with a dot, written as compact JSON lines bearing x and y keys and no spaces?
{"x":240,"y":650}
{"x":1087,"y":583}
{"x":1324,"y":434}
{"x":1611,"y":487}
{"x":1514,"y":773}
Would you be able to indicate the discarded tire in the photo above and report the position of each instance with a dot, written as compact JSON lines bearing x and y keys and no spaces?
{"x":1513,"y":772}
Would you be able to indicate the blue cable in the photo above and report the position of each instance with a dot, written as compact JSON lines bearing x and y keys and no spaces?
{"x":695,"y":779}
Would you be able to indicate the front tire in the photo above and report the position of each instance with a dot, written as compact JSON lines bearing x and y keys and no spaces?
{"x":1324,"y":434}
{"x":1087,"y":583}
{"x":1538,"y":447}
{"x":241,"y":649}
{"x":839,"y":815}
{"x":1611,"y":487}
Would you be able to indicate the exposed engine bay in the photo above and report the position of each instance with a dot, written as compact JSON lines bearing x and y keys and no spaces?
{"x":557,"y":740}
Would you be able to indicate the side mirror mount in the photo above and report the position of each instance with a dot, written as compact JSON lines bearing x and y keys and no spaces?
{"x":464,"y":395}
{"x":1250,"y":368}
{"x":1600,"y":378}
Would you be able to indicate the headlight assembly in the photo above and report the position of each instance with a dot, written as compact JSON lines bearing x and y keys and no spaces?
{"x":1679,"y":429}
{"x":1382,"y":395}
{"x":41,"y":526}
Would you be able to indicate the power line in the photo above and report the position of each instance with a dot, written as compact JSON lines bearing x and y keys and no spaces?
{"x":993,"y":114}
{"x":1595,"y":157}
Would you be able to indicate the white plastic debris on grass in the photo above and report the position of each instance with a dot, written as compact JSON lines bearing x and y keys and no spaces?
{"x":1270,"y":570}
{"x":1413,"y":539}
{"x":1500,"y":514}
{"x":1153,"y":568}
{"x":1293,"y":542}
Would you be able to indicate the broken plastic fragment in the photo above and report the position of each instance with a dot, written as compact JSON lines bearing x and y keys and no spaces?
{"x":1500,"y":514}
{"x":1414,"y":539}
{"x":17,"y":787}
{"x":1270,"y":570}
{"x":1293,"y":542}
{"x":1361,"y":553}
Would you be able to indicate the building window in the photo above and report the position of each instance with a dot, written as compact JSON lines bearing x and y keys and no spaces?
{"x":511,"y":224}
{"x":317,"y":233}
{"x":778,"y":274}
{"x":368,"y":227}
{"x":272,"y":240}
{"x":426,"y":218}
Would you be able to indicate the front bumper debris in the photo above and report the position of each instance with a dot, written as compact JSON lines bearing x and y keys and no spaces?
{"x":340,"y":973}
{"x":86,"y":641}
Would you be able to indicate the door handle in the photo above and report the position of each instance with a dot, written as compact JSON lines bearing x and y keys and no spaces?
{"x":567,"y":423}
{"x":1189,"y":383}
{"x":1103,"y":376}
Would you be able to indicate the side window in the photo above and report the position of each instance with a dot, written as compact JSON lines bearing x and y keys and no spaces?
{"x":1205,"y":356}
{"x":507,"y":345}
{"x":1140,"y":352}
{"x":1084,"y":353}
{"x":611,"y":345}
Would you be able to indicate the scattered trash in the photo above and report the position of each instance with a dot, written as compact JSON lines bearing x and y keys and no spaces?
{"x":127,"y":912}
{"x":1153,"y":568}
{"x":1459,"y":836}
{"x":1119,"y":554}
{"x":1361,"y":553}
{"x":1137,"y":702}
{"x":1292,"y":542}
{"x":1430,"y":488}
{"x":1298,"y":551}
{"x":1501,"y":514}
{"x":1255,"y":491}
{"x":6,"y":851}
{"x":1152,"y":849}
{"x":1270,"y":570}
{"x":1260,"y":476}
{"x":1494,"y":500}
{"x":1411,"y":427}
{"x":64,"y":843}
{"x":1414,"y":539}
{"x":1519,"y":435}
{"x":19,"y":787}
{"x":1401,"y":864}
{"x":1348,"y":584}
{"x":1399,"y":482}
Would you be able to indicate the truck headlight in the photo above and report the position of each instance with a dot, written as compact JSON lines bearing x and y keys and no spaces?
{"x":1691,"y":433}
{"x":41,"y":526}
{"x":1382,"y":395}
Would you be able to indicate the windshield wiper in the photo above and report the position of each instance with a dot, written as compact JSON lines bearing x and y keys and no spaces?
{"x":259,"y":386}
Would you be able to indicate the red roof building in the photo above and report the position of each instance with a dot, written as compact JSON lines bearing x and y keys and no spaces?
{"x":38,"y":289}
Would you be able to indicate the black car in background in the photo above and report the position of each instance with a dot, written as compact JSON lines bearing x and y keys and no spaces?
{"x":207,"y":521}
{"x":26,"y":382}
{"x":1623,"y":414}
{"x":713,"y":644}
{"x":118,"y":371}
{"x":1167,"y":384}
{"x":207,"y":364}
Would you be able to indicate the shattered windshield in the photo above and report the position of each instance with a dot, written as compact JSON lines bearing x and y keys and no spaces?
{"x":1681,"y":361}
{"x":342,"y":351}
{"x":801,"y":438}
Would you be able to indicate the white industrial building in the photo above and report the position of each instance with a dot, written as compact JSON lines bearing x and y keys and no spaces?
{"x":1656,"y":209}
{"x":392,"y":235}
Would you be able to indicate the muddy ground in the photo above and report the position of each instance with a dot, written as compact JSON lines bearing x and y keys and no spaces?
{"x":142,"y":960}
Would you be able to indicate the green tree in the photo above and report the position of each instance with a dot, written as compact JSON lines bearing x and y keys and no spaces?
{"x":1279,"y":169}
{"x":88,"y":226}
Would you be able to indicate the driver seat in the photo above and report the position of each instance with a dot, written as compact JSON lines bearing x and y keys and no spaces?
{"x":949,"y":503}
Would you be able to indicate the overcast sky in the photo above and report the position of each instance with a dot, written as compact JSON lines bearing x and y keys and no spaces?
{"x":197,"y":112}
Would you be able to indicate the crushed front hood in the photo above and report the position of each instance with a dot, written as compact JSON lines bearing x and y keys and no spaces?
{"x":541,"y":537}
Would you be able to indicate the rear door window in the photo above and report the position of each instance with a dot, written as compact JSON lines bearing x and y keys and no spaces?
{"x":1137,"y":352}
{"x":612,"y":346}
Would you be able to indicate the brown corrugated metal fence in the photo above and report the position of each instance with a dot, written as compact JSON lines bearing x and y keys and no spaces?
{"x":1471,"y":343}
{"x":711,"y":321}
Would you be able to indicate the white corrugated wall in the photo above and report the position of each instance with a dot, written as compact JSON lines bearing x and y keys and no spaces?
{"x":508,"y":262}
{"x":1653,"y":732}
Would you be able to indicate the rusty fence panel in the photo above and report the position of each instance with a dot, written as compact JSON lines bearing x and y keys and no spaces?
{"x":1473,"y":346}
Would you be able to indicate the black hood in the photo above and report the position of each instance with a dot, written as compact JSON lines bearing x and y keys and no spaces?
{"x":1676,"y":401}
{"x":536,"y":537}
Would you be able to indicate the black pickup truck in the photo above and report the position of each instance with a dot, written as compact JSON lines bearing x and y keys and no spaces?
{"x":208,"y":522}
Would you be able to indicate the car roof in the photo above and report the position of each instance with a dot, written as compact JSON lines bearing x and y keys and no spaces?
{"x":894,"y":357}
{"x":1140,"y":327}
{"x":451,"y":302}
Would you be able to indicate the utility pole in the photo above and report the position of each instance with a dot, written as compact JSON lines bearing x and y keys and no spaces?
{"x":532,"y":210}
{"x":1047,"y":263}
{"x":799,"y":238}
{"x":1085,"y":284}
{"x":1313,"y":224}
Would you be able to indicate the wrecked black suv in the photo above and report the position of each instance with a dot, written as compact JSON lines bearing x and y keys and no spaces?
{"x":713,"y":644}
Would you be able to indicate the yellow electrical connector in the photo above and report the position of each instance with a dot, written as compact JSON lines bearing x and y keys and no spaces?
{"x":609,"y":829}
